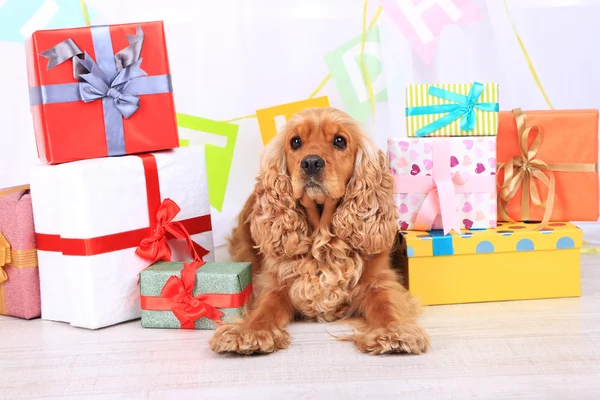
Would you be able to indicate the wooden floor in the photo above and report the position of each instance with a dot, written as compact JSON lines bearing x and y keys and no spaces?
{"x":534,"y":349}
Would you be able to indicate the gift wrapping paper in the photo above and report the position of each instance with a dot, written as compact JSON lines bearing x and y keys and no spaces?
{"x":19,"y":278}
{"x":411,"y":159}
{"x":111,"y":82}
{"x":47,"y":209}
{"x":82,"y":208}
{"x":567,"y":143}
{"x":227,"y":278}
{"x":452,"y":109}
{"x":514,"y":261}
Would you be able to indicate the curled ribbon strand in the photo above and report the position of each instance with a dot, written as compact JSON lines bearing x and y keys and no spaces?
{"x":84,"y":11}
{"x":523,"y":170}
{"x":156,"y":247}
{"x":363,"y":40}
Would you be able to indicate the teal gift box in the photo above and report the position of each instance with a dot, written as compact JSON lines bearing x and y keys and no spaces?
{"x":194,"y":295}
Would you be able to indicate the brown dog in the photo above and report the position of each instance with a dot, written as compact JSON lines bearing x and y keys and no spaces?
{"x":318,"y":230}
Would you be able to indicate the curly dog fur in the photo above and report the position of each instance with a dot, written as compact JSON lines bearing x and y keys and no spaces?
{"x":320,"y":247}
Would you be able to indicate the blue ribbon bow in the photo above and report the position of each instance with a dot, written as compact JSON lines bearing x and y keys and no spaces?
{"x":464,"y":109}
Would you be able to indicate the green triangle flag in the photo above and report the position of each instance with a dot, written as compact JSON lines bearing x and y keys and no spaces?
{"x":218,"y":158}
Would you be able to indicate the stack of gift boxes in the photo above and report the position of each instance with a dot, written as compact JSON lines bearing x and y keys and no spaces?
{"x":121,"y":214}
{"x":484,"y":197}
{"x":122,"y":218}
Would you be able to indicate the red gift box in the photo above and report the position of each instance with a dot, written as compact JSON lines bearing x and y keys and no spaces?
{"x":101,"y":91}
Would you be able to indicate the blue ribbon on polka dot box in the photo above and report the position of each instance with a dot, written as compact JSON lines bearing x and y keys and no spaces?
{"x":508,"y":237}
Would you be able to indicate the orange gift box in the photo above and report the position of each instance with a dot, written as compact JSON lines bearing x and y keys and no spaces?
{"x":547,"y":165}
{"x":100,"y":91}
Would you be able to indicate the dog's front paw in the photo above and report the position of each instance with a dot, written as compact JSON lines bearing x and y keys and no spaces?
{"x":396,"y":338}
{"x":241,"y":339}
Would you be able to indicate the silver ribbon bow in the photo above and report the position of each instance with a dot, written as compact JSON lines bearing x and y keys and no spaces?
{"x":94,"y":83}
{"x":113,"y":78}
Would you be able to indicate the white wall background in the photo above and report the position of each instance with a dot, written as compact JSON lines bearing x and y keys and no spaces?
{"x":232,"y":57}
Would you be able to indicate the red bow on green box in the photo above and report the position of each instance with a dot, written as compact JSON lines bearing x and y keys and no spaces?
{"x":177,"y":296}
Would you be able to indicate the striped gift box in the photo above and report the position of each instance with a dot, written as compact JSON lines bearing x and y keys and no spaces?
{"x":468,"y":109}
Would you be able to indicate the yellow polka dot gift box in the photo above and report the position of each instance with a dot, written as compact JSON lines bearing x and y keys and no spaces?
{"x":512,"y":262}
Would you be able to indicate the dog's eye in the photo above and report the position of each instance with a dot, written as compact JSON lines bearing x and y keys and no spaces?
{"x":339,"y":142}
{"x":295,"y":143}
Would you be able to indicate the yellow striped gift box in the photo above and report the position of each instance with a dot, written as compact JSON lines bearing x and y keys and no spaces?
{"x":418,"y":95}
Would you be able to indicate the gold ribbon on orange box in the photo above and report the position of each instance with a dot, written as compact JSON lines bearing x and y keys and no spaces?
{"x":15,"y":259}
{"x":522,"y":171}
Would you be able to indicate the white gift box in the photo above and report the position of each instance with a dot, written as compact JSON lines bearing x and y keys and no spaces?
{"x":53,"y":277}
{"x":91,"y":199}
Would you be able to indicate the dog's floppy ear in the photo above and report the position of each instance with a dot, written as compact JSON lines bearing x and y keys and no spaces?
{"x":366,"y":218}
{"x":277,"y":223}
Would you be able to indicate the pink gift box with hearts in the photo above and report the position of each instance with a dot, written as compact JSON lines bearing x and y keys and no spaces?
{"x":444,"y":183}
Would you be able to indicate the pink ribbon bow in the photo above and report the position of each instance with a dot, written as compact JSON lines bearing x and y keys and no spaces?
{"x":441,"y":189}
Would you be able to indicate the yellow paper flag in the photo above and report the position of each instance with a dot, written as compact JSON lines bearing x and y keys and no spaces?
{"x":270,"y":119}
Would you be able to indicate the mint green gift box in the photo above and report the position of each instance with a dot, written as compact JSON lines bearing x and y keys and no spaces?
{"x":224,"y":286}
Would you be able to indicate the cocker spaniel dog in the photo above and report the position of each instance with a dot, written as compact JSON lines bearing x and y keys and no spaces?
{"x":318,"y":229}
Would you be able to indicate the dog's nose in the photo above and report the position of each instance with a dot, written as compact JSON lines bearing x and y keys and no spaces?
{"x":312,"y":165}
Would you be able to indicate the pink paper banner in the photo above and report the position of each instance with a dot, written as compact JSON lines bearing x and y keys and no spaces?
{"x":421,"y":21}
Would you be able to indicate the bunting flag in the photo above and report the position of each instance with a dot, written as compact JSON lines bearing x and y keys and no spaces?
{"x":421,"y":21}
{"x":219,"y":139}
{"x":271,"y":119}
{"x":20,"y":18}
{"x":345,"y":67}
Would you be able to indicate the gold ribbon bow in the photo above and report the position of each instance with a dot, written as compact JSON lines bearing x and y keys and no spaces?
{"x":13,"y":258}
{"x":5,"y":257}
{"x":522,"y":171}
{"x":16,"y":258}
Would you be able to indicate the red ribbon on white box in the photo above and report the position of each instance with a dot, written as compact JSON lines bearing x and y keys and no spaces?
{"x":133,"y":238}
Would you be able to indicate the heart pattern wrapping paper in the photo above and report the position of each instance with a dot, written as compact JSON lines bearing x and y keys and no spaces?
{"x":471,"y":156}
